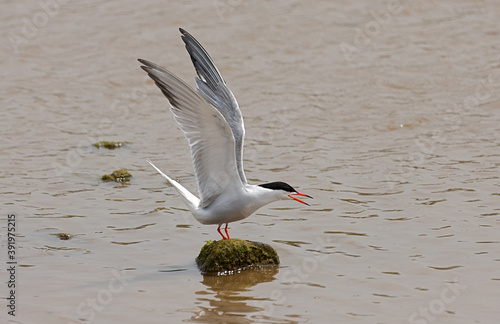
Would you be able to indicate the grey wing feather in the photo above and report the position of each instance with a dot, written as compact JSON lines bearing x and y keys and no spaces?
{"x":208,"y":133}
{"x":213,"y":88}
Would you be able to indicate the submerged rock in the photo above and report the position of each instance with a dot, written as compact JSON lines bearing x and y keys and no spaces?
{"x":64,"y":236}
{"x":235,"y":254}
{"x":118,"y":176}
{"x":108,"y":144}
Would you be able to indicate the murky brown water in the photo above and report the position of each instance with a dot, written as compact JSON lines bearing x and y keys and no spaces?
{"x":386,"y":112}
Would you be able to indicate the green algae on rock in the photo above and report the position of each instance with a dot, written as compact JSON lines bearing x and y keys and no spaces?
{"x":64,"y":236}
{"x":235,"y":254}
{"x":118,"y":176}
{"x":108,"y":144}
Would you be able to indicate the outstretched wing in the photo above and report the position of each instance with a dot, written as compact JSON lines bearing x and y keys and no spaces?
{"x":214,"y":90}
{"x":209,"y":135}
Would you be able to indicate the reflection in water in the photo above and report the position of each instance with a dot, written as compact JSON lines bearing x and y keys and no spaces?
{"x":226,"y":303}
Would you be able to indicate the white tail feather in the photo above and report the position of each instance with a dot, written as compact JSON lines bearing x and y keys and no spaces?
{"x":191,"y":200}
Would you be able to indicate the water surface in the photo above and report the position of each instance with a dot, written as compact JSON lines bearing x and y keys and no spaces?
{"x":386,"y":112}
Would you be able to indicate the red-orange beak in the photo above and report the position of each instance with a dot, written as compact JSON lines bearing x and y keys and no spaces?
{"x":299,"y":200}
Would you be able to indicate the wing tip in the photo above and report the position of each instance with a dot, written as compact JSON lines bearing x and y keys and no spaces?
{"x":146,"y":64}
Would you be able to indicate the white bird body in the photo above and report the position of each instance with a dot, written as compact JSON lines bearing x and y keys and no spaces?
{"x":213,"y":125}
{"x":229,"y":207}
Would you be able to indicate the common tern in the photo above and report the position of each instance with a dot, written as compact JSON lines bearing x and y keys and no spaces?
{"x":212,"y":123}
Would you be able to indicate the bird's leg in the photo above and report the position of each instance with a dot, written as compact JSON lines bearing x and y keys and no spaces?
{"x":227,"y":232}
{"x":218,"y":230}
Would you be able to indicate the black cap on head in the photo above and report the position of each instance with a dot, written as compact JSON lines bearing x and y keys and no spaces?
{"x":278,"y":186}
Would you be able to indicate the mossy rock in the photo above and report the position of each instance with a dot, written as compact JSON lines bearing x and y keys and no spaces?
{"x":108,"y":144}
{"x":235,"y":254}
{"x":64,"y":236}
{"x":118,"y":176}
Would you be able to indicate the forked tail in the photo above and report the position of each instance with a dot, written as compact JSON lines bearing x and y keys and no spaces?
{"x":191,"y":200}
